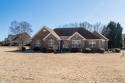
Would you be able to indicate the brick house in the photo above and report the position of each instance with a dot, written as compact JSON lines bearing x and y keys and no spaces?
{"x":68,"y":38}
{"x":14,"y":39}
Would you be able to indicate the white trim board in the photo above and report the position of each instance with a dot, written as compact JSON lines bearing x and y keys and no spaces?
{"x":100,"y":34}
{"x":46,"y":36}
{"x":74,"y":34}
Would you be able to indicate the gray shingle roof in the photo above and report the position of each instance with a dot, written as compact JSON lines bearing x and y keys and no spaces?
{"x":100,"y":35}
{"x":70,"y":31}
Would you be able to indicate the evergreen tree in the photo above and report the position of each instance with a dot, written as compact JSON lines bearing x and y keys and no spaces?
{"x":113,"y":32}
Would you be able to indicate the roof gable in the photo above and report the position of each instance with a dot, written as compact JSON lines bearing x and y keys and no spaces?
{"x":75,"y":34}
{"x":100,"y":35}
{"x":12,"y":37}
{"x":38,"y":32}
{"x":50,"y":30}
{"x":21,"y":34}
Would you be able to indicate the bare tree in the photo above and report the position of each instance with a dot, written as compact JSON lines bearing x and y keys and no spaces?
{"x":98,"y":27}
{"x":105,"y":31}
{"x":21,"y":29}
{"x":70,"y":25}
{"x":86,"y":25}
{"x":90,"y":27}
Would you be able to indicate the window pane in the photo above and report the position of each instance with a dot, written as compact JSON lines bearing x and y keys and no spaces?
{"x":92,"y":43}
{"x":51,"y":43}
{"x":37,"y":43}
{"x":76,"y":43}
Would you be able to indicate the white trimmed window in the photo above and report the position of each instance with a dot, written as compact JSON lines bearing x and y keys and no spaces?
{"x":37,"y":43}
{"x":51,"y":42}
{"x":76,"y":43}
{"x":92,"y":43}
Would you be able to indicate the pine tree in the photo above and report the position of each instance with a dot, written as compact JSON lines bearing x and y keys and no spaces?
{"x":113,"y":32}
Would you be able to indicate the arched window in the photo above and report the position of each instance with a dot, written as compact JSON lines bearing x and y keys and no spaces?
{"x":76,"y":43}
{"x":37,"y":43}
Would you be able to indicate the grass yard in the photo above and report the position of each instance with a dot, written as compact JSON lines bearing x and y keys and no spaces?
{"x":16,"y":67}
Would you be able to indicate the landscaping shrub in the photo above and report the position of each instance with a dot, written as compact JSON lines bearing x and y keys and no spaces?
{"x":6,"y":44}
{"x":50,"y":50}
{"x":36,"y":49}
{"x":43,"y":49}
{"x":1,"y":43}
{"x":118,"y":50}
{"x":75,"y":50}
{"x":106,"y":49}
{"x":101,"y":50}
{"x":87,"y":50}
{"x":14,"y":44}
{"x":94,"y":50}
{"x":22,"y":48}
{"x":113,"y":49}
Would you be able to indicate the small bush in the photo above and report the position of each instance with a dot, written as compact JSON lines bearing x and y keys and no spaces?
{"x":106,"y":49}
{"x":22,"y":48}
{"x":113,"y":50}
{"x":1,"y":43}
{"x":118,"y":50}
{"x":101,"y":50}
{"x":14,"y":44}
{"x":75,"y":50}
{"x":94,"y":50}
{"x":87,"y":50}
{"x":50,"y":50}
{"x":6,"y":45}
{"x":36,"y":49}
{"x":43,"y":49}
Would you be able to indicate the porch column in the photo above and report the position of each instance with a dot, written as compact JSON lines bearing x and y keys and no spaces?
{"x":100,"y":43}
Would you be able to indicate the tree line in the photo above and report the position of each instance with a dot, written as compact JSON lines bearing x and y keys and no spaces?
{"x":22,"y":29}
{"x":113,"y":30}
{"x":90,"y":27}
